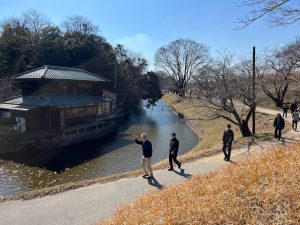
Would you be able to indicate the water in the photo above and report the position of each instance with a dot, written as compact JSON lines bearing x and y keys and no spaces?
{"x":118,"y":154}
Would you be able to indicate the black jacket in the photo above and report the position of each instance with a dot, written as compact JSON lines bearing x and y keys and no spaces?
{"x":147,"y":148}
{"x":228,"y":137}
{"x":293,"y":106}
{"x":174,"y":145}
{"x":279,"y":123}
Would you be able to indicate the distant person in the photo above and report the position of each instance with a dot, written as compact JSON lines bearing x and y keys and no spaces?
{"x":293,"y":107}
{"x":295,"y":119}
{"x":147,"y":154}
{"x":278,"y":125}
{"x":284,"y":110}
{"x":173,"y":151}
{"x":191,"y":91}
{"x":228,"y":137}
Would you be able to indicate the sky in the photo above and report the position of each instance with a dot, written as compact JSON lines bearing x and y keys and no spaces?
{"x":144,"y":26}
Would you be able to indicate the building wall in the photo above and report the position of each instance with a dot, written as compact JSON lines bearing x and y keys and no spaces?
{"x":50,"y":87}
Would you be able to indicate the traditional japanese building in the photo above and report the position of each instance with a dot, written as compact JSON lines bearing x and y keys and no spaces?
{"x":59,"y":106}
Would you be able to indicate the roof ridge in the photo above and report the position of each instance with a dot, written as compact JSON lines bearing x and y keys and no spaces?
{"x":65,"y":68}
{"x":53,"y":72}
{"x":96,"y":75}
{"x":28,"y":71}
{"x":45,"y":71}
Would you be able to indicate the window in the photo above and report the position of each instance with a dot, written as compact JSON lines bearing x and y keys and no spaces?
{"x":81,"y":111}
{"x":62,"y":119}
{"x":84,"y":88}
{"x":105,"y":107}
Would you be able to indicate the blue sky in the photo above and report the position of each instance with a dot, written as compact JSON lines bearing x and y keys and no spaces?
{"x":145,"y":25}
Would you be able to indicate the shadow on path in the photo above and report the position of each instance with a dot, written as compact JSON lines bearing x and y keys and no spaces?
{"x":182,"y":173}
{"x":232,"y":162}
{"x":155,"y":183}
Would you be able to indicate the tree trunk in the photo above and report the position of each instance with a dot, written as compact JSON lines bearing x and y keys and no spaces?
{"x":278,"y":102}
{"x":244,"y":128}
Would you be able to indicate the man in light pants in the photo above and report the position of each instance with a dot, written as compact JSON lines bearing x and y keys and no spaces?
{"x":147,"y":154}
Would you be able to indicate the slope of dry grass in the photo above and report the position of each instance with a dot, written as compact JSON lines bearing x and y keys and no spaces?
{"x":211,"y":131}
{"x":259,"y":190}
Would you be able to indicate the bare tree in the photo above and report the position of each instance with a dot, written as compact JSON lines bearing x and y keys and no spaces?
{"x":182,"y":60}
{"x":79,"y":24}
{"x":35,"y":21}
{"x":276,"y":71}
{"x":279,"y":12}
{"x":227,"y":91}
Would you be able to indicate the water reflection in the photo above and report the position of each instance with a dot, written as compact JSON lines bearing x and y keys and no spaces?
{"x":118,"y":154}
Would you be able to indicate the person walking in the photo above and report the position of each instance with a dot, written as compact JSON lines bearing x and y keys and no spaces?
{"x":278,"y":125}
{"x":295,"y":119}
{"x":284,"y":110}
{"x":173,"y":151}
{"x":293,"y":107}
{"x":228,"y":137}
{"x":147,"y":154}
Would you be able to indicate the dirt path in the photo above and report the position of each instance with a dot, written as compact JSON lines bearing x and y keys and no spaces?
{"x":90,"y":204}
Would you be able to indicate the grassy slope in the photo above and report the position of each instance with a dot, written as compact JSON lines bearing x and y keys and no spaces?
{"x":211,"y":130}
{"x":259,"y":190}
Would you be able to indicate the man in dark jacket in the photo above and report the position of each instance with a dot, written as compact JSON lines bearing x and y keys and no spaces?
{"x":173,"y":151}
{"x":293,"y":107}
{"x":147,"y":154}
{"x":228,"y":137}
{"x":278,"y":125}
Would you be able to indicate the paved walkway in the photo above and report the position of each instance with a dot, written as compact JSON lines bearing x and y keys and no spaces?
{"x":88,"y":205}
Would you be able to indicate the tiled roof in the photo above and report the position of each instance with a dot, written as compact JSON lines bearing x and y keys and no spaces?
{"x":60,"y":73}
{"x":56,"y":100}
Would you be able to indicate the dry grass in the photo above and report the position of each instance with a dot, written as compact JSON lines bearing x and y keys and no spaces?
{"x":259,"y":190}
{"x":211,"y":131}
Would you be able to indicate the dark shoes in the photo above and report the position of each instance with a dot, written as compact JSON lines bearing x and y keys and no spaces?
{"x":145,"y":175}
{"x":150,"y":177}
{"x":171,"y":168}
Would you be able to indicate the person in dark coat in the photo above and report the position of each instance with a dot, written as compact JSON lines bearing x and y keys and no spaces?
{"x":173,"y":151}
{"x":284,"y":109}
{"x":147,"y":154}
{"x":278,"y":125}
{"x":293,"y":107}
{"x":228,"y":137}
{"x":295,"y":119}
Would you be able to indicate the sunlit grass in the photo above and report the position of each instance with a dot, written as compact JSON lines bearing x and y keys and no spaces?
{"x":259,"y":190}
{"x":211,"y":131}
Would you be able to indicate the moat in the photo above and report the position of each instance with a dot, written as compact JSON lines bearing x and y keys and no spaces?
{"x":116,"y":154}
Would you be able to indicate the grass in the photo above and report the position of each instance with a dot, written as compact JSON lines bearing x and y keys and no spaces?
{"x":211,"y":131}
{"x":260,"y":190}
